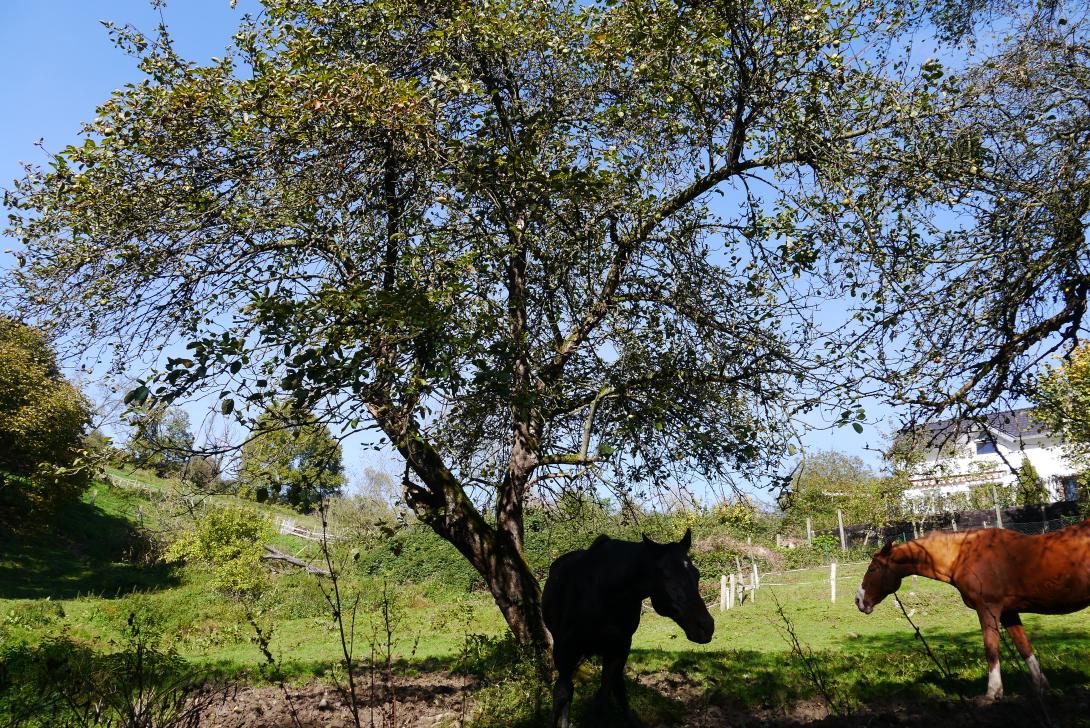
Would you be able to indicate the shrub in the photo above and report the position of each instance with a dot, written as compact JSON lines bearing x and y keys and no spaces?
{"x":62,"y":682}
{"x":230,"y":540}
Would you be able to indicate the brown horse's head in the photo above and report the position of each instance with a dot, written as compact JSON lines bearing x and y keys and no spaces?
{"x":879,"y":582}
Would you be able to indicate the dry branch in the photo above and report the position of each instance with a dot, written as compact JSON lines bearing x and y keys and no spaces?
{"x":276,"y":555}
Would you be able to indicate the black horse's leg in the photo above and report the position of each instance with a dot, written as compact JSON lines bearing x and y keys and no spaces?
{"x":564,"y":688}
{"x":613,"y":682}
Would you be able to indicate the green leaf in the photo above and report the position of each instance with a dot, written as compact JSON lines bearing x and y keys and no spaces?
{"x":857,"y":427}
{"x":227,"y":406}
{"x":137,"y":396}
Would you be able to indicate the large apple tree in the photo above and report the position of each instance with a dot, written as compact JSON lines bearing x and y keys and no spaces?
{"x":527,"y":241}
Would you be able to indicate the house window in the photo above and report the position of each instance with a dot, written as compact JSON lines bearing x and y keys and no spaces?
{"x":1070,"y":489}
{"x":985,"y":447}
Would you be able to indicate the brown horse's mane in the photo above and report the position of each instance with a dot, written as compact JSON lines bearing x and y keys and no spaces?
{"x":932,"y":555}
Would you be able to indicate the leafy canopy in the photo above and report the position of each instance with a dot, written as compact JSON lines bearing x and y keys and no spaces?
{"x":535,"y":244}
{"x":497,"y":210}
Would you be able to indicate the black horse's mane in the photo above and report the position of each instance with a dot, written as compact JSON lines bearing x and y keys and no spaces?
{"x":599,"y":541}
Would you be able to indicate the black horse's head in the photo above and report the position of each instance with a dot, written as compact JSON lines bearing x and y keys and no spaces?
{"x":879,"y":582}
{"x":675,"y":588}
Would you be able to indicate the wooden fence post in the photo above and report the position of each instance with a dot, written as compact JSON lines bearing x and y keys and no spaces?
{"x":998,"y":513}
{"x":954,"y":523}
{"x":840,"y":522}
{"x":722,"y":593}
{"x":732,"y":592}
{"x":809,"y":531}
{"x":753,"y":585}
{"x":832,"y":582}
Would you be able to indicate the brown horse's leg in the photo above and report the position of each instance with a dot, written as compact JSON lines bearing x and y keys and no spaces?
{"x":1013,"y":622}
{"x":989,"y":625}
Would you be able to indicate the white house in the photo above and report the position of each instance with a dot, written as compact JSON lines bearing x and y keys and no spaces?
{"x":959,"y":455}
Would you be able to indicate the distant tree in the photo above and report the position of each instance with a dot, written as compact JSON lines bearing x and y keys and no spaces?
{"x":292,"y":458}
{"x":43,"y":419}
{"x":203,"y":472}
{"x":161,"y":438}
{"x":1031,"y":486}
{"x":380,"y":488}
{"x":101,"y":446}
{"x":1061,"y":398}
{"x":828,"y":481}
{"x":739,"y":512}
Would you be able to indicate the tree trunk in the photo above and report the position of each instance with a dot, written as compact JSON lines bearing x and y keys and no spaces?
{"x":518,"y":596}
{"x":441,"y":503}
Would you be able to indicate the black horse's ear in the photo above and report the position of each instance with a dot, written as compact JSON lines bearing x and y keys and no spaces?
{"x":687,"y":539}
{"x":887,"y":549}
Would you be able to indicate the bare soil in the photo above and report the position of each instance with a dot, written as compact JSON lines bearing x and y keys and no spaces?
{"x":435,"y":699}
{"x":444,"y":700}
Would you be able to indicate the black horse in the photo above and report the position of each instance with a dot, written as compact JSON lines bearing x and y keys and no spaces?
{"x":592,"y":604}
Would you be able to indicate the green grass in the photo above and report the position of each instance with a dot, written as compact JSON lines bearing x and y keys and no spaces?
{"x":88,"y":550}
{"x":81,"y":582}
{"x":864,"y":658}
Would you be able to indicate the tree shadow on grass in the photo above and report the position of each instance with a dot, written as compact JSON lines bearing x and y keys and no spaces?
{"x":83,"y":551}
{"x":886,"y":679}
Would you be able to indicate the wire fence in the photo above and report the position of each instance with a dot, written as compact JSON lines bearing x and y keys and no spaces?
{"x":744,"y":583}
{"x":1030,"y":519}
{"x":821,"y":583}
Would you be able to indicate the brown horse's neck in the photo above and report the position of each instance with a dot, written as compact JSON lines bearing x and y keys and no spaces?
{"x":932,"y":556}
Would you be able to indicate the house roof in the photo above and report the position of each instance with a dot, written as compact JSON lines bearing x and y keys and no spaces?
{"x":1015,"y":425}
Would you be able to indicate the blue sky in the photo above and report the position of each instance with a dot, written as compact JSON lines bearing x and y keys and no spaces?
{"x":59,"y":64}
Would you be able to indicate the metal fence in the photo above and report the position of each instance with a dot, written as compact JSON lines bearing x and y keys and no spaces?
{"x":1025,"y":519}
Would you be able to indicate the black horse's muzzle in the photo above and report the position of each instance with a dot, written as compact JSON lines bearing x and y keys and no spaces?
{"x":702,"y":631}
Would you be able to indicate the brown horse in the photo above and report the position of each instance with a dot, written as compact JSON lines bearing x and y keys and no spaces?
{"x":1000,"y":574}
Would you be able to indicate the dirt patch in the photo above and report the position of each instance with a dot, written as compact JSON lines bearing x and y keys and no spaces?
{"x":1059,"y":710}
{"x":435,"y":699}
{"x":443,"y":700}
{"x":722,"y":542}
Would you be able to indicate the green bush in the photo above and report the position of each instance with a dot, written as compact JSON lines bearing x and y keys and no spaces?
{"x":230,"y":540}
{"x":63,"y":682}
{"x":517,"y":682}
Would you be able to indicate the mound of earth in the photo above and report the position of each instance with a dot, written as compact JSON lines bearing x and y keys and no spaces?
{"x":433,"y":700}
{"x":444,"y":700}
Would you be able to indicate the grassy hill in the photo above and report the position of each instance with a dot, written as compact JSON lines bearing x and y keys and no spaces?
{"x":80,"y":589}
